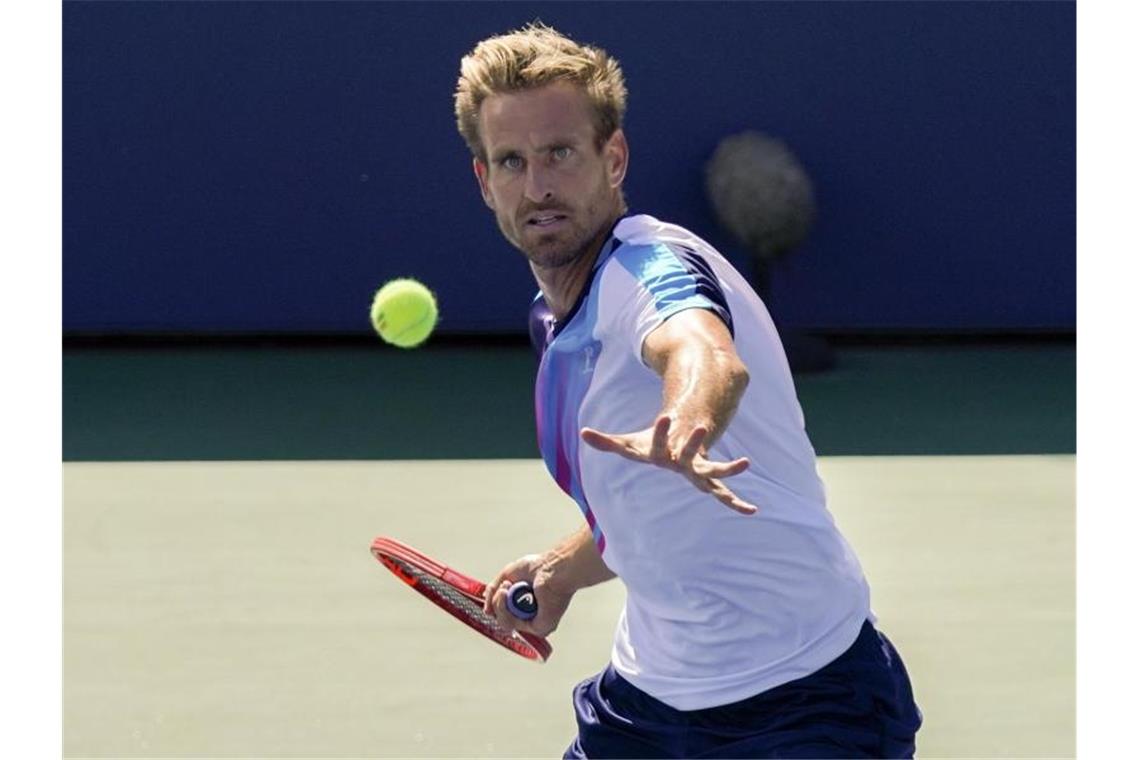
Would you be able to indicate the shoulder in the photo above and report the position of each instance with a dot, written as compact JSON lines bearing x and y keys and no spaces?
{"x":653,"y":252}
{"x":649,"y":248}
{"x":670,"y":269}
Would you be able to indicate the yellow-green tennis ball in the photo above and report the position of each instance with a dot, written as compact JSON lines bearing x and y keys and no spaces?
{"x":404,"y":313}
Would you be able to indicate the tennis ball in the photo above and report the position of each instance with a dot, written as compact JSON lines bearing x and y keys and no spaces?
{"x":404,"y":312}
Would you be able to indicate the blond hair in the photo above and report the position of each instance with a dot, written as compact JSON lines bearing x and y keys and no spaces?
{"x":531,"y":57}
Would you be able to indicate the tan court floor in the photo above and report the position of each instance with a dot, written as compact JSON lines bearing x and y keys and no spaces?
{"x":233,"y":609}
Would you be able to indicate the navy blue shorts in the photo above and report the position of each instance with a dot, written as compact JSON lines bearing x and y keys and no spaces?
{"x":860,"y":705}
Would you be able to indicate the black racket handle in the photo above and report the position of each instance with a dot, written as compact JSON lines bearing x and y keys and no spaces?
{"x":521,"y":601}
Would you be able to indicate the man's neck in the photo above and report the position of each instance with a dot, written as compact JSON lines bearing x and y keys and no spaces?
{"x":561,"y":286}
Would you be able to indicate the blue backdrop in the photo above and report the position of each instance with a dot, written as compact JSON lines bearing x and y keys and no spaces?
{"x":265,"y":166}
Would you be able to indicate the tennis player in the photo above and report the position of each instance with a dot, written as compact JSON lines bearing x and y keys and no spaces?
{"x":666,"y":410}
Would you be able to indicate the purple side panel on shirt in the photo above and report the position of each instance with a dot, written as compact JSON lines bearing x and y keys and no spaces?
{"x":564,"y":375}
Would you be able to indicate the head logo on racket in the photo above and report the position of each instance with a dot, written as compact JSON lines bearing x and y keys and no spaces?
{"x":521,"y":601}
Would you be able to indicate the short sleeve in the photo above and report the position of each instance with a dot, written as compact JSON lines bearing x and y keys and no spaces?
{"x":669,"y":279}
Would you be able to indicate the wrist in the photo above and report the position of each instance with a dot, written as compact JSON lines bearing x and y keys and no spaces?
{"x":556,"y":569}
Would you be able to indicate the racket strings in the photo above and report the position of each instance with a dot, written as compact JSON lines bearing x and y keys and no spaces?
{"x":454,"y":598}
{"x":464,"y":608}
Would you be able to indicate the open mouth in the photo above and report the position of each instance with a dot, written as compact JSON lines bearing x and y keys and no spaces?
{"x":546,"y":220}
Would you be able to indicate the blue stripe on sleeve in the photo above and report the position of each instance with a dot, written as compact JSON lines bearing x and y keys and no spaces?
{"x":677,"y":277}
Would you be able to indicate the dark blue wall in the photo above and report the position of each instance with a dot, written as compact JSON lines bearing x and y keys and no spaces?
{"x":264,"y":166}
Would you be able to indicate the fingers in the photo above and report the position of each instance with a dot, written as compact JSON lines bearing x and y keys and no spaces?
{"x":489,"y":592}
{"x":499,"y":606}
{"x":689,"y":459}
{"x":710,"y":469}
{"x":541,"y":625}
{"x":633,"y":445}
{"x":520,"y":569}
{"x":707,"y":476}
{"x":726,"y":497}
{"x":659,"y":448}
{"x":614,"y":444}
{"x":603,"y":441}
{"x":692,"y":447}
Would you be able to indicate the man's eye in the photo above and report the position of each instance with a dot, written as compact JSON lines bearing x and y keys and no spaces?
{"x":511,"y":162}
{"x":561,"y":153}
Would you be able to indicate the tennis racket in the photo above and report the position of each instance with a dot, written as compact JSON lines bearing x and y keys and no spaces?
{"x":462,"y":596}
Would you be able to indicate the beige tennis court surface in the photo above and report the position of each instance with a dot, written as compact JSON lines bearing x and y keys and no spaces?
{"x":233,"y":609}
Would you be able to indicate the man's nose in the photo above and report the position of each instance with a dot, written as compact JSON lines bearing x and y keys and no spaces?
{"x":539,"y":183}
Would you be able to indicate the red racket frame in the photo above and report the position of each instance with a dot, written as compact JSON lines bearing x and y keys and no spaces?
{"x":391,"y":553}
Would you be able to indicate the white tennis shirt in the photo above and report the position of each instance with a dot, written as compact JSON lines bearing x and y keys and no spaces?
{"x":720,"y":606}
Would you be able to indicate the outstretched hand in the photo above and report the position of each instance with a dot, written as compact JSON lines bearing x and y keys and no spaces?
{"x":685,"y":455}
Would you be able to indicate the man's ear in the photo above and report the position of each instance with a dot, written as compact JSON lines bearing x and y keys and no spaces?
{"x":616,"y":153}
{"x":480,"y":169}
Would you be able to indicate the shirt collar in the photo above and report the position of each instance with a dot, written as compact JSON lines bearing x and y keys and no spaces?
{"x":611,"y":244}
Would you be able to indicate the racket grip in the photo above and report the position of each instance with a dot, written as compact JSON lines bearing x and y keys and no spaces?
{"x":521,"y":601}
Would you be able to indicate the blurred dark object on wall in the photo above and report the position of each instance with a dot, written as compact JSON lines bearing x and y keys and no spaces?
{"x":762,"y":195}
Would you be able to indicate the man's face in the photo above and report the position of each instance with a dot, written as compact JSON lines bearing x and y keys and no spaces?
{"x":553,"y":192}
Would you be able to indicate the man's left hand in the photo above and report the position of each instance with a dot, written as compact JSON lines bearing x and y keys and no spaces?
{"x":680,"y":453}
